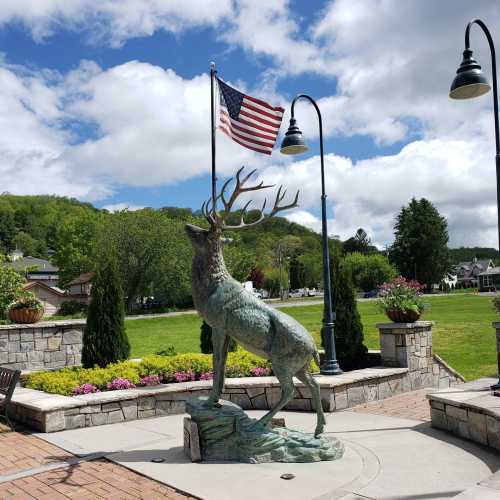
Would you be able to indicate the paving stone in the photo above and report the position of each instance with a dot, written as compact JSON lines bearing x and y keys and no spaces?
{"x":355,"y":395}
{"x":74,"y":421}
{"x":106,"y":407}
{"x":91,"y":409}
{"x":455,"y":412}
{"x":99,"y":418}
{"x":72,"y":337}
{"x":493,"y":431}
{"x":115,"y":417}
{"x":242,"y":400}
{"x":146,"y":403}
{"x":299,"y":404}
{"x":146,"y":413}
{"x":477,"y":427}
{"x":53,"y":343}
{"x":371,"y":392}
{"x":273,"y":395}
{"x":255,"y":391}
{"x":260,"y":402}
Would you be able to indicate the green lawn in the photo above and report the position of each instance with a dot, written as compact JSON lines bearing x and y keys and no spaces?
{"x":463,"y":335}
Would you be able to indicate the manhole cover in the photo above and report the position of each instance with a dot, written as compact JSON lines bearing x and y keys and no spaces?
{"x":287,"y":476}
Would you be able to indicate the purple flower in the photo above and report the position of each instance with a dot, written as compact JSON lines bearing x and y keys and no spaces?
{"x":207,"y":376}
{"x":84,"y":389}
{"x":260,"y":372}
{"x":184,"y":376}
{"x":150,"y":380}
{"x":120,"y":383}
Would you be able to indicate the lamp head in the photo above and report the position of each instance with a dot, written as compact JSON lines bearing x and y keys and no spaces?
{"x":470,"y":81}
{"x":293,"y":143}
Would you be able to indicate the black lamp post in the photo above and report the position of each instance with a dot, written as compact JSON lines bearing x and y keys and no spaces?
{"x":470,"y":82}
{"x":293,"y":144}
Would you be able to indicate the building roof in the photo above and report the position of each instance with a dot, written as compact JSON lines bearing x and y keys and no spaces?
{"x":41,"y":265}
{"x":52,"y":289}
{"x":83,"y":278}
{"x":491,"y":270}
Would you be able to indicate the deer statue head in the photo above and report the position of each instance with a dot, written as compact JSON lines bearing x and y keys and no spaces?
{"x":202,"y":239}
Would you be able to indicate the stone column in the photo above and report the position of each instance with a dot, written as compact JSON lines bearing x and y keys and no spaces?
{"x":409,"y":345}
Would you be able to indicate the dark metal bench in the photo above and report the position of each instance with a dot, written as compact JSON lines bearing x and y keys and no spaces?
{"x":8,"y":381}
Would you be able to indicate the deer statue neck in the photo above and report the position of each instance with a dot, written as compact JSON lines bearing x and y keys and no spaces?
{"x":209,"y":268}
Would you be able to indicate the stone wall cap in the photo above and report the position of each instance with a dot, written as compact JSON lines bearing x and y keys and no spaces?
{"x":44,"y":324}
{"x":408,"y":326}
{"x":45,"y":402}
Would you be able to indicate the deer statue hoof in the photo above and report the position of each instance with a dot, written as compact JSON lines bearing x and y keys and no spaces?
{"x":319,"y":430}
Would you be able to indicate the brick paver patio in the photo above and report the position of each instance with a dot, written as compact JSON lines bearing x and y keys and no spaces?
{"x":413,"y":405}
{"x":100,"y":479}
{"x":21,"y":452}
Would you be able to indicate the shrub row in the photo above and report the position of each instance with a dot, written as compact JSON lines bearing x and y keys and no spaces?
{"x":180,"y":367}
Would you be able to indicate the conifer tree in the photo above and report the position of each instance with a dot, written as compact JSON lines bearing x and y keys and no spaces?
{"x":206,"y":345}
{"x":105,"y":340}
{"x":351,"y":351}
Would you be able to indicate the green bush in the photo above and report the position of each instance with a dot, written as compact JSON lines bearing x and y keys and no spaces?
{"x":72,"y":307}
{"x":239,"y":364}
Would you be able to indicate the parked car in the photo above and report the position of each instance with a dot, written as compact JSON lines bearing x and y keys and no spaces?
{"x":311,"y":292}
{"x":296,"y":294}
{"x":371,"y":294}
{"x":257,"y":294}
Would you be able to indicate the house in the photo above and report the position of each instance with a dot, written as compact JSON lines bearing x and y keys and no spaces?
{"x":35,"y":269}
{"x":468,"y":272}
{"x":50,"y":297}
{"x":489,"y":280}
{"x":79,"y":288}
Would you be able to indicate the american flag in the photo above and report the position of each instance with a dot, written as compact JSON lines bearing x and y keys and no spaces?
{"x":250,"y":122}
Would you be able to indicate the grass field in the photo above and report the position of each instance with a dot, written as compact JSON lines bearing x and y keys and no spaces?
{"x":462,"y":336}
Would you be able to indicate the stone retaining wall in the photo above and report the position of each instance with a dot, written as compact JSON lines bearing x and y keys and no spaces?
{"x":41,"y":346}
{"x":50,"y":413}
{"x":469,"y":411}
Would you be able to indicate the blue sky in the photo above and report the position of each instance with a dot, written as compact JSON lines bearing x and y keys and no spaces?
{"x":109,"y":103}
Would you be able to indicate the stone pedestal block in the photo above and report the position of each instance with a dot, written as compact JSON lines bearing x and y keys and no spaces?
{"x":409,"y":345}
{"x":225,"y":432}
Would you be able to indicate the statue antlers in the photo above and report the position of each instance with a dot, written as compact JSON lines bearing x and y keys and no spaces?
{"x":217,"y":220}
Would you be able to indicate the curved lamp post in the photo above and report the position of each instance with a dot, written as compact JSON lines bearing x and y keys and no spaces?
{"x":293,"y":144}
{"x":470,"y":82}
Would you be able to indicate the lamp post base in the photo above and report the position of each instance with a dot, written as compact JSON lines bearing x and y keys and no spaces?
{"x":496,"y":386}
{"x":330,"y":367}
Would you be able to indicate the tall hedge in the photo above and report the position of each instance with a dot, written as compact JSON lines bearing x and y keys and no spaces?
{"x":351,"y":351}
{"x":105,"y":340}
{"x":206,"y":345}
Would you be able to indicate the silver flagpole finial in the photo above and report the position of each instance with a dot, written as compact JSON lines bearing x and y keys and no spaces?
{"x":212,"y":65}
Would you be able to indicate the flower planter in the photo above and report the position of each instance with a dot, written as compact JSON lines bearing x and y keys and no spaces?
{"x":399,"y":316}
{"x":25,"y":315}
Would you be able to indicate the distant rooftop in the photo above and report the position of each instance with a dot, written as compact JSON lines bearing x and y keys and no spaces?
{"x":42,"y":265}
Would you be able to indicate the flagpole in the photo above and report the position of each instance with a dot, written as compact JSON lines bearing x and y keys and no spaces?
{"x":213,"y":73}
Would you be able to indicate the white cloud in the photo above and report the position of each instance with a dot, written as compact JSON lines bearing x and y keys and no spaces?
{"x":119,"y":207}
{"x":153,"y":126}
{"x":112,"y":20}
{"x":457,"y":176}
{"x":32,"y":140}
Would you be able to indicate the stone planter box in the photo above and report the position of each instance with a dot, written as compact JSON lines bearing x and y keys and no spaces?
{"x":50,"y":412}
{"x":469,"y":411}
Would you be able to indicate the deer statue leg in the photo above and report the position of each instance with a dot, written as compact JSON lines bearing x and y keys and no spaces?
{"x":310,"y":382}
{"x":287,"y":393}
{"x":220,"y":342}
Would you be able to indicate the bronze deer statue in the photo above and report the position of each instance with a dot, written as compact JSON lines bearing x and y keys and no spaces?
{"x":234,"y":312}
